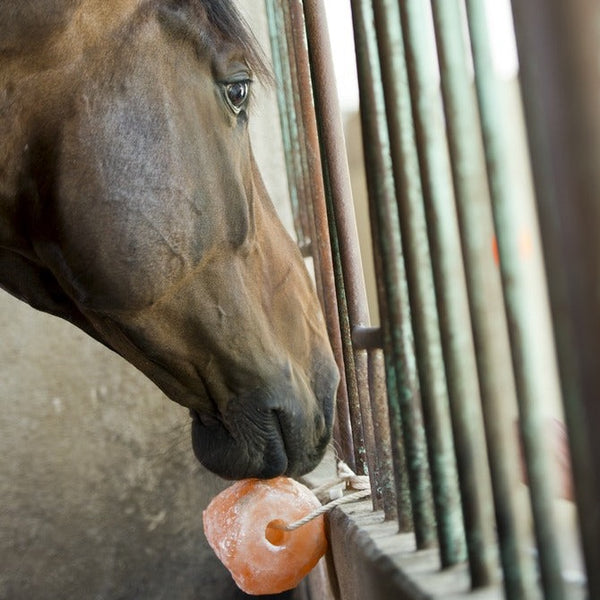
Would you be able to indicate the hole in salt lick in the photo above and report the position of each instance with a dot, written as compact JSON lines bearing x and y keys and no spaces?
{"x":275,"y":534}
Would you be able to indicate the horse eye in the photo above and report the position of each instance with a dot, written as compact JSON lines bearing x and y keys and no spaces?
{"x":237,"y":94}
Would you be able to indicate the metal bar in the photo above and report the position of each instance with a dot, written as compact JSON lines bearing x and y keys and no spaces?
{"x":560,"y":92}
{"x":300,"y":150}
{"x":354,"y":398}
{"x":400,"y":469}
{"x":396,"y":321}
{"x":383,"y":439}
{"x":428,"y":346}
{"x":356,"y":377}
{"x":332,"y":136}
{"x":322,"y":248}
{"x":331,"y":131}
{"x":281,"y":68}
{"x":457,"y":341}
{"x":525,"y":298}
{"x":485,"y":296}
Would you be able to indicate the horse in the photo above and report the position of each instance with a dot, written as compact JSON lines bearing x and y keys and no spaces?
{"x":131,"y":205}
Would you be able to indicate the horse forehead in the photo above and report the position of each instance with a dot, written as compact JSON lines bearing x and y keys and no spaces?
{"x":215,"y":28}
{"x":26,"y":26}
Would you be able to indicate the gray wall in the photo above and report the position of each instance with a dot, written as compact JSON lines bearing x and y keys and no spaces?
{"x":100,"y":496}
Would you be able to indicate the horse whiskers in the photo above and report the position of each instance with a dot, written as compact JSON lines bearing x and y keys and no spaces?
{"x":177,"y":442}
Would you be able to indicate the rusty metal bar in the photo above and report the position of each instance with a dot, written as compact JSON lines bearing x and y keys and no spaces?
{"x":451,"y":291}
{"x":332,"y":136}
{"x":560,"y":93}
{"x":428,"y":346}
{"x":321,"y":245}
{"x":485,"y":296}
{"x":525,"y":297}
{"x":342,"y":210}
{"x":362,"y":430}
{"x":383,"y":439}
{"x":356,"y":366}
{"x":396,"y":319}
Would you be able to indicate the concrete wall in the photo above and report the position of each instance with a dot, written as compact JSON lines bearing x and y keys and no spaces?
{"x":100,"y":496}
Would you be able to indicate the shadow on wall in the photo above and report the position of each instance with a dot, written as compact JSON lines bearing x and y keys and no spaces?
{"x":100,"y":494}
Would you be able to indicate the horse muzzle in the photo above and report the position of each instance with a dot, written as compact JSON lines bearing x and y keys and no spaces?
{"x":268,"y":432}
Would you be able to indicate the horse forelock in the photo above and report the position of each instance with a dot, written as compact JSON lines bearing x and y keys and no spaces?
{"x":212,"y":23}
{"x":226,"y":18}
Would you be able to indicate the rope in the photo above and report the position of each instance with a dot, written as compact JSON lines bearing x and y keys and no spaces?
{"x":346,"y":477}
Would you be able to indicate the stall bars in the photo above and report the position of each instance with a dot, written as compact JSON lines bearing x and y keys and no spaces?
{"x":466,"y":333}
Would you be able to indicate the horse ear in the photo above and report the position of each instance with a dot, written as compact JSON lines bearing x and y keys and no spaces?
{"x":560,"y":458}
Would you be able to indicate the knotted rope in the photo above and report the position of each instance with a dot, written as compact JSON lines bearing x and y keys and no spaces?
{"x":332,"y":492}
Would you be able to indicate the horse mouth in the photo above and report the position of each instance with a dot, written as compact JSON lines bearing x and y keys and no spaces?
{"x":259,"y":451}
{"x":265,"y":431}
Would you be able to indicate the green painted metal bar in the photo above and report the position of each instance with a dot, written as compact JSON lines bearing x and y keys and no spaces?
{"x":300,"y":150}
{"x":485,"y":296}
{"x":525,"y":298}
{"x":322,"y":245}
{"x":559,"y":48}
{"x":428,"y":345}
{"x":289,"y":128}
{"x":396,"y":323}
{"x":451,"y":291}
{"x":404,"y":507}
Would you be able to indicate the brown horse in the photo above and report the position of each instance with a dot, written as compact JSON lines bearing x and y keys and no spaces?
{"x":131,"y":205}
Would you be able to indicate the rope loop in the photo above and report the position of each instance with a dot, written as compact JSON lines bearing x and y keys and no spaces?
{"x":332,"y":493}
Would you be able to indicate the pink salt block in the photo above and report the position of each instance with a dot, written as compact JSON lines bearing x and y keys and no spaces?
{"x":241,"y":525}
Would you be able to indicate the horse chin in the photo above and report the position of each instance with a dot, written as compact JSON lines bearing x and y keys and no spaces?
{"x":233,"y":458}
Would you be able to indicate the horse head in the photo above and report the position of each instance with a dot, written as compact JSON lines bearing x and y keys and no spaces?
{"x":131,"y":205}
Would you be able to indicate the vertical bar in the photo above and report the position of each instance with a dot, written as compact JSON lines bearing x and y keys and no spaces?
{"x":396,"y":316}
{"x":451,"y":291}
{"x":321,"y":247}
{"x":382,"y":427}
{"x":289,"y":126}
{"x":359,"y":431}
{"x":300,"y":150}
{"x":336,"y":188}
{"x":525,"y":299}
{"x":342,"y":208}
{"x":432,"y":378}
{"x":485,"y":295}
{"x":404,"y":508}
{"x":560,"y":92}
